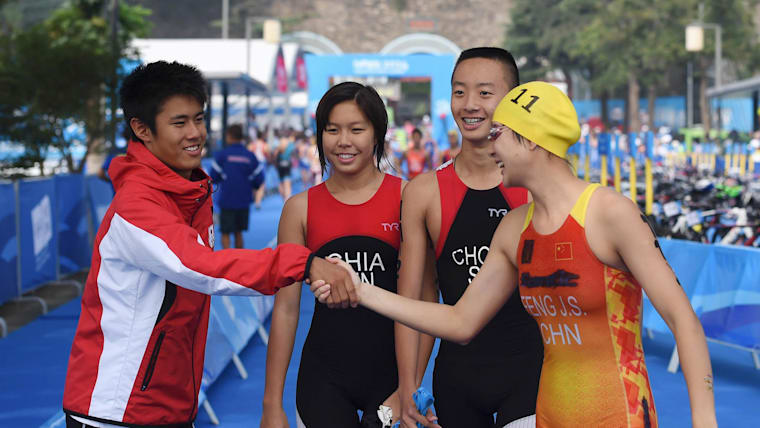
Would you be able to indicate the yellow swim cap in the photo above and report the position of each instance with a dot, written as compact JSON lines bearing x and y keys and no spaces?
{"x":540,"y":112}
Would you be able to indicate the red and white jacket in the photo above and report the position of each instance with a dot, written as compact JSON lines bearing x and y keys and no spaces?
{"x":137,"y":356}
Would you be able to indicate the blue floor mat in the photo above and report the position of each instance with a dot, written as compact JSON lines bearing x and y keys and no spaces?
{"x":33,"y":364}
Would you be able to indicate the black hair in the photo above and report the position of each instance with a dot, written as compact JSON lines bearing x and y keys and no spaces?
{"x":370,"y":104}
{"x":524,"y":141}
{"x":235,"y":132}
{"x":497,"y":54}
{"x":416,"y":131}
{"x":145,"y":90}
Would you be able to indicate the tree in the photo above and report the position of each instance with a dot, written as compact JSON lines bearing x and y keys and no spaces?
{"x":614,"y":39}
{"x":59,"y":73}
{"x":626,"y":43}
{"x":739,"y":38}
{"x":542,"y":34}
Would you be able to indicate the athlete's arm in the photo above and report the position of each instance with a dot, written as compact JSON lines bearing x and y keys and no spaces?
{"x":637,"y":246}
{"x":144,"y":232}
{"x":287,"y":304}
{"x":460,"y":323}
{"x":429,"y":294}
{"x":411,"y":356}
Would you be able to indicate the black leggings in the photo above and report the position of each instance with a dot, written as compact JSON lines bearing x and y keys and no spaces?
{"x":325,"y":398}
{"x":467,"y":395}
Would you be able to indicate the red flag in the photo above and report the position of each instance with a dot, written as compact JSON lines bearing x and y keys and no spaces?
{"x":301,"y":71}
{"x":280,"y":73}
{"x":563,"y":251}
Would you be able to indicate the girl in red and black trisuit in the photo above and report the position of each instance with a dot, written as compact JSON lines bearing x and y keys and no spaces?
{"x":348,"y":361}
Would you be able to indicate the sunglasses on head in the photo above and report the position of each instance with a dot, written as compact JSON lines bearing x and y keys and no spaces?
{"x":495,"y":132}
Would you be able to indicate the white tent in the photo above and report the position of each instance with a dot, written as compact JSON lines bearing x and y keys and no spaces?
{"x":222,"y":58}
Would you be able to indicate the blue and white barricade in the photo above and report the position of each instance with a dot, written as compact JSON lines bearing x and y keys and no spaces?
{"x":721,"y":283}
{"x":71,"y":218}
{"x":233,"y":321}
{"x":8,"y":243}
{"x":37,"y":226}
{"x":99,"y":196}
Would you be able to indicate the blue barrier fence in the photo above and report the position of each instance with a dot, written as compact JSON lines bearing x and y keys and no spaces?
{"x":74,"y":249}
{"x":49,"y":224}
{"x":8,"y":243}
{"x":723,"y":285}
{"x":99,"y":195}
{"x":38,"y":233}
{"x":46,"y":230}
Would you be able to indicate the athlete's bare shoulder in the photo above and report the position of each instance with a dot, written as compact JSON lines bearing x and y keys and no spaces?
{"x":611,"y":207}
{"x":421,"y":188}
{"x":296,"y":204}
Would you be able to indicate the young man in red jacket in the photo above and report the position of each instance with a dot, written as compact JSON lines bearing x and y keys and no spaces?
{"x":137,"y":356}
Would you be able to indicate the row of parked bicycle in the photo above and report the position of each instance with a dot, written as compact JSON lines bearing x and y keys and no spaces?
{"x":693,"y":205}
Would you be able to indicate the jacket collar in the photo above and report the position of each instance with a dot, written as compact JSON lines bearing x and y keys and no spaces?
{"x":142,"y":166}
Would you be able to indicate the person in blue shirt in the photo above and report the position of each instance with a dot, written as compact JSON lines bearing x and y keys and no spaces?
{"x":238,"y":173}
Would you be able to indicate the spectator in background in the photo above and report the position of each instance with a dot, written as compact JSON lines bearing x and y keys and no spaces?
{"x":754,"y":147}
{"x":416,"y":156}
{"x":754,"y":143}
{"x":394,"y":151}
{"x":314,"y":164}
{"x":453,"y":149}
{"x":260,"y":149}
{"x":112,"y":153}
{"x":283,"y":158}
{"x":303,"y":146}
{"x":431,"y":150}
{"x":238,"y":173}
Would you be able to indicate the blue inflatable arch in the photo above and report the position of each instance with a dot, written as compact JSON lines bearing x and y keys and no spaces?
{"x":437,"y":67}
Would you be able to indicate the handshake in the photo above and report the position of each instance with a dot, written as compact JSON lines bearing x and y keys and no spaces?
{"x":339,"y":285}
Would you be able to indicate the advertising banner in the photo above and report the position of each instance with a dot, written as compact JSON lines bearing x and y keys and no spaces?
{"x":38,"y":234}
{"x":71,"y":216}
{"x":8,"y":243}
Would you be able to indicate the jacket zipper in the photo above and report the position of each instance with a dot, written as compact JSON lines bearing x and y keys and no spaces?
{"x":152,"y":362}
{"x":193,"y":411}
{"x":201,"y":202}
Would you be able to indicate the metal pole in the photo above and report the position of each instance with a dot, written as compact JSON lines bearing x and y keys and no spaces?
{"x":270,"y":118}
{"x":114,"y":72}
{"x":247,"y":114}
{"x":210,"y":90}
{"x":718,"y":55}
{"x":17,"y":201}
{"x":689,"y":94}
{"x":225,"y":19}
{"x":225,"y":107}
{"x":287,"y":93}
{"x":248,"y":47}
{"x":755,"y":110}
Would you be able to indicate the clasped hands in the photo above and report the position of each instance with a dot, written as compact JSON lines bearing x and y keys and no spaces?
{"x":336,"y":284}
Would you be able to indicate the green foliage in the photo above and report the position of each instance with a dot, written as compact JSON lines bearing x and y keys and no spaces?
{"x":606,"y":41}
{"x":59,"y":72}
{"x":740,"y":36}
{"x":545,"y":34}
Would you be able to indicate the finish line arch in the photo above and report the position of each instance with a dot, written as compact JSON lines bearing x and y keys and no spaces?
{"x":437,"y":67}
{"x":421,"y":43}
{"x":313,"y":43}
